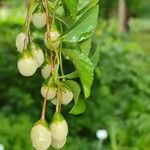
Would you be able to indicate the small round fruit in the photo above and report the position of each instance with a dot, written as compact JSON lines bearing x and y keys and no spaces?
{"x":37,"y":54}
{"x":66,"y":97}
{"x":51,"y":91}
{"x":59,"y":127}
{"x":41,"y":137}
{"x":46,"y":71}
{"x":54,"y":35}
{"x":39,"y":20}
{"x":21,"y":41}
{"x":27,"y":65}
{"x":58,"y":144}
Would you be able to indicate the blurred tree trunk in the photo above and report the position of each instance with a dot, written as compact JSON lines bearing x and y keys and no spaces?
{"x":123,"y":16}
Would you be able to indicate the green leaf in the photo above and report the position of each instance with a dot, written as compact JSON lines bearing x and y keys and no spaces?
{"x":83,"y":28}
{"x":96,"y":56}
{"x":79,"y":107}
{"x":92,"y":4}
{"x":74,"y":87}
{"x":70,"y":7}
{"x":85,"y":46}
{"x":84,"y":67}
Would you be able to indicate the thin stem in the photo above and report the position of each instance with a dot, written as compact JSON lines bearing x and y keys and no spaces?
{"x":60,"y":55}
{"x":43,"y":110}
{"x":57,"y":56}
{"x":44,"y":105}
{"x":56,"y":3}
{"x":58,"y":61}
{"x":61,"y":65}
{"x":47,"y":18}
{"x":58,"y":18}
{"x":57,"y":105}
{"x":28,"y":18}
{"x":48,"y":34}
{"x":52,"y":61}
{"x":61,"y":77}
{"x":58,"y":100}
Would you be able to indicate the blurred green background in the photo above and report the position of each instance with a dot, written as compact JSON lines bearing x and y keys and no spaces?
{"x":120,"y":100}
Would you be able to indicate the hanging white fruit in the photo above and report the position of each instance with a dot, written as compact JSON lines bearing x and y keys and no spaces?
{"x":41,"y":136}
{"x":59,"y":127}
{"x":27,"y":65}
{"x":37,"y":53}
{"x":66,"y":97}
{"x":46,"y":70}
{"x":21,"y":41}
{"x":39,"y":16}
{"x":39,"y":20}
{"x":48,"y":91}
{"x":54,"y":35}
{"x":58,"y":144}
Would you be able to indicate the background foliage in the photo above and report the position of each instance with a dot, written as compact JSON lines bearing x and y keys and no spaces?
{"x":120,"y":94}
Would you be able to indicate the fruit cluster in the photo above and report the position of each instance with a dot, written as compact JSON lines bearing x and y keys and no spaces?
{"x":42,"y":135}
{"x":65,"y":37}
{"x":31,"y":58}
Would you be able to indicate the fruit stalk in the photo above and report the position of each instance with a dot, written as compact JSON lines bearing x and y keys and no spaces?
{"x":44,"y":106}
{"x":28,"y":19}
{"x":61,"y":66}
{"x":48,"y":34}
{"x":58,"y":101}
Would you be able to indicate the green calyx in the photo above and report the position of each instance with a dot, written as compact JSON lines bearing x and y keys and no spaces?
{"x":42,"y":122}
{"x":40,"y":8}
{"x":46,"y":61}
{"x":57,"y":117}
{"x":24,"y":28}
{"x":54,"y":27}
{"x":50,"y":82}
{"x":64,"y":88}
{"x":33,"y":46}
{"x":27,"y":53}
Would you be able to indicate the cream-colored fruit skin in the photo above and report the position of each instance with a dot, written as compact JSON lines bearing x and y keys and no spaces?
{"x":59,"y":130}
{"x":67,"y":97}
{"x":58,"y":144}
{"x":46,"y":71}
{"x":21,"y":41}
{"x":39,"y":56}
{"x":54,"y":101}
{"x":41,"y":137}
{"x":27,"y":66}
{"x":54,"y":35}
{"x":51,"y":92}
{"x":39,"y":20}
